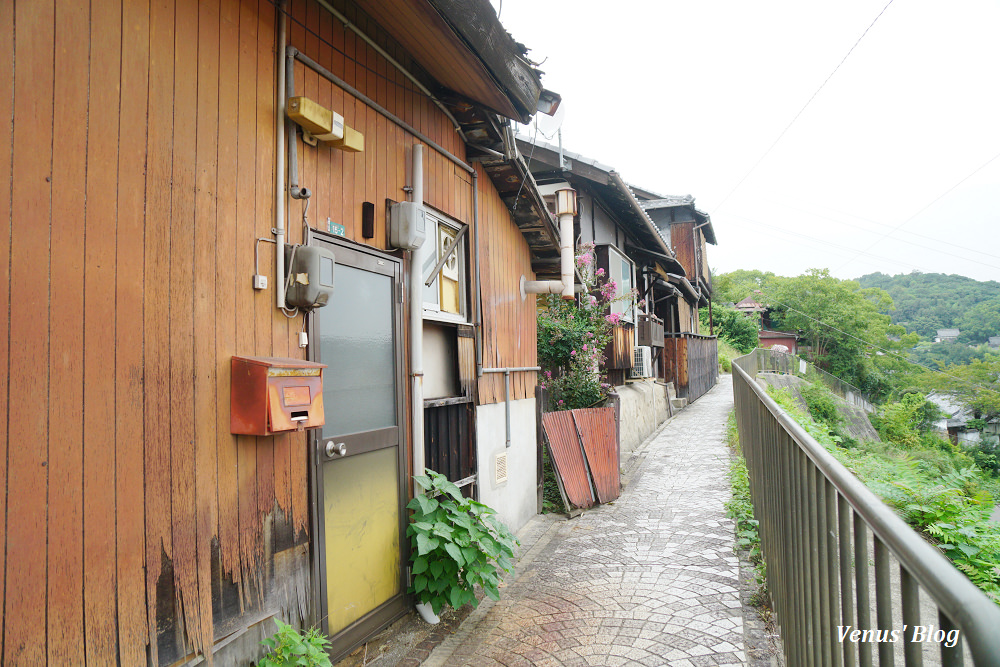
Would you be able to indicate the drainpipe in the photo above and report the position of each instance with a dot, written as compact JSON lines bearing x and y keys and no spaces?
{"x":279,"y":180}
{"x":477,"y":301}
{"x":506,"y":389}
{"x":566,"y":210}
{"x":417,"y":324}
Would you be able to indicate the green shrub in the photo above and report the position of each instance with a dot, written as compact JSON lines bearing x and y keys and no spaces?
{"x":288,"y":647}
{"x":822,"y":404}
{"x":457,"y":545}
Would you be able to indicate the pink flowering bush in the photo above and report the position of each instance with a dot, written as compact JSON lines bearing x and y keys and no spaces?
{"x":572,"y":336}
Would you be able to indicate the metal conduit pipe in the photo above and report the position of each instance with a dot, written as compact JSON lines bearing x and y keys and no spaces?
{"x":506,"y":389}
{"x":417,"y":325}
{"x":378,"y":49}
{"x":279,"y":179}
{"x":364,"y":99}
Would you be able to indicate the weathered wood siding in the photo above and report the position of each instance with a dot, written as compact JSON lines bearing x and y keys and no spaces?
{"x":141,"y":149}
{"x":509,"y":331}
{"x":138,"y":145}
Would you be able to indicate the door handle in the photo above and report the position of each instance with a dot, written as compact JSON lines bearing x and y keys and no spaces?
{"x":336,"y":449}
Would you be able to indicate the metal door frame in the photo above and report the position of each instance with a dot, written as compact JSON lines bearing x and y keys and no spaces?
{"x":368,"y":259}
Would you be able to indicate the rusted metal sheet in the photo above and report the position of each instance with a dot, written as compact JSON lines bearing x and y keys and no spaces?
{"x":600,"y":443}
{"x":567,"y":458}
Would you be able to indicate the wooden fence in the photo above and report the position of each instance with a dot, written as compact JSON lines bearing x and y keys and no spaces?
{"x":691,"y":362}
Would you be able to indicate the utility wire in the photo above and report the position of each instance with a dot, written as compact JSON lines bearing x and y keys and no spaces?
{"x":785,"y":204}
{"x":804,"y":106}
{"x":934,"y":201}
{"x":856,"y":253}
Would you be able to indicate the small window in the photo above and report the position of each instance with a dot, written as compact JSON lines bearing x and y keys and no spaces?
{"x":621,"y":271}
{"x":445,"y":298}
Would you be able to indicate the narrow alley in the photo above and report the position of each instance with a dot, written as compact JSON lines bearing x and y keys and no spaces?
{"x":650,"y":579}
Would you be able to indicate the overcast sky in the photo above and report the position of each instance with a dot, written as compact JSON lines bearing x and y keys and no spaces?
{"x":876,"y":174}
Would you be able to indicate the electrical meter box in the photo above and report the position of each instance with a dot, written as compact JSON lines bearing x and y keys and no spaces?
{"x":407,"y":225}
{"x":270,"y":395}
{"x":311,"y":272}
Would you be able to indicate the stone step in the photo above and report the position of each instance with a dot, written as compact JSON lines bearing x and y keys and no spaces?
{"x":678,"y":403}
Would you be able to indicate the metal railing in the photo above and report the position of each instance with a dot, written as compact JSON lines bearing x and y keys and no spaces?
{"x":819,"y":525}
{"x":769,"y":360}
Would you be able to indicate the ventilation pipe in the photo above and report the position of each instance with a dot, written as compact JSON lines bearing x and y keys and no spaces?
{"x":566,"y":211}
{"x":417,"y":323}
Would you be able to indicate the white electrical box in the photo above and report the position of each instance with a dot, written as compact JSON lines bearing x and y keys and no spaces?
{"x":407,"y":225}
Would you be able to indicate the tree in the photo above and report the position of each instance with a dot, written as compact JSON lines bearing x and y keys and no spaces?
{"x":735,"y":286}
{"x":981,"y":321}
{"x":732,"y":326}
{"x":976,"y":385}
{"x":843,"y":324}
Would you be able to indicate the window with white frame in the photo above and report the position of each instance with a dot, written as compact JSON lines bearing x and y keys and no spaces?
{"x":621,"y":270}
{"x":445,"y":298}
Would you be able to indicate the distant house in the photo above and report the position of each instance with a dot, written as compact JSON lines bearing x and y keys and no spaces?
{"x":954,"y":423}
{"x":769,"y":339}
{"x":946,"y":335}
{"x":994,"y":342}
{"x":750,"y":306}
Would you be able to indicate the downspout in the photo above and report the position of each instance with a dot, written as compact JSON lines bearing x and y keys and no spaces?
{"x":417,"y":325}
{"x":477,"y":302}
{"x":279,"y":179}
{"x":566,"y":210}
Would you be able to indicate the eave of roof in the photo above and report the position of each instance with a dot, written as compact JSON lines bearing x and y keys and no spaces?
{"x":462,"y":45}
{"x":613,"y":191}
{"x":704,"y":220}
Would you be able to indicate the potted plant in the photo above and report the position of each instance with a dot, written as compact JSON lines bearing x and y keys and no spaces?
{"x":457,"y":544}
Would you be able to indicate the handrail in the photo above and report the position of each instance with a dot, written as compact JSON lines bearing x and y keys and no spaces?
{"x":784,"y":362}
{"x":806,"y":503}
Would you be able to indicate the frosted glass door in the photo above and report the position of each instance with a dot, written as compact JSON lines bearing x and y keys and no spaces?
{"x":358,"y":452}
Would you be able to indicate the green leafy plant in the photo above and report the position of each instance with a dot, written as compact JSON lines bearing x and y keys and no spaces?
{"x":290,"y":647}
{"x":458,"y":544}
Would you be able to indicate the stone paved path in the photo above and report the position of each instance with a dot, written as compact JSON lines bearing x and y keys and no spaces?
{"x":648,"y":580}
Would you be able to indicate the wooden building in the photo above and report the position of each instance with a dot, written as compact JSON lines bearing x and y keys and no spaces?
{"x":146,"y":176}
{"x":649,"y":243}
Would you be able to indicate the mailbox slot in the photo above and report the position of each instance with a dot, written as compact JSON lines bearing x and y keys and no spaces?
{"x":275,"y":395}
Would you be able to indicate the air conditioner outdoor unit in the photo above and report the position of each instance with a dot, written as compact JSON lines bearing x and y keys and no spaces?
{"x":642,"y":366}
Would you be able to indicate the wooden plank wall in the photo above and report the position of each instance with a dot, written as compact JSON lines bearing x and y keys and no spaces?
{"x":340,"y":191}
{"x":509,"y":331}
{"x":140,"y":172}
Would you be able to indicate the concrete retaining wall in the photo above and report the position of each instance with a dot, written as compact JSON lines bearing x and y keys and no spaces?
{"x":644,"y":406}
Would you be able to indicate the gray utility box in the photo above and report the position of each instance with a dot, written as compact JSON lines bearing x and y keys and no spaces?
{"x":310,"y":276}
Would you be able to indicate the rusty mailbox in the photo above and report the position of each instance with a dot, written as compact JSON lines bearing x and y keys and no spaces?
{"x":275,"y":395}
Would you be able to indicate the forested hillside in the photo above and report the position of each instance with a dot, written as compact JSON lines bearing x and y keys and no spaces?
{"x":926,"y":302}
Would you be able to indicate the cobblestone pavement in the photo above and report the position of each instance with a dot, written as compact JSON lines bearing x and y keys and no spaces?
{"x":650,"y":579}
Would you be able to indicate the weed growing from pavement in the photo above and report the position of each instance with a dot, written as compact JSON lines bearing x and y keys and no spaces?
{"x":740,"y":509}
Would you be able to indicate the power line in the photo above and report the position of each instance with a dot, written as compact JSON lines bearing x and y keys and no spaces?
{"x":824,"y":242}
{"x":804,"y":106}
{"x":934,"y":201}
{"x":784,"y":203}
